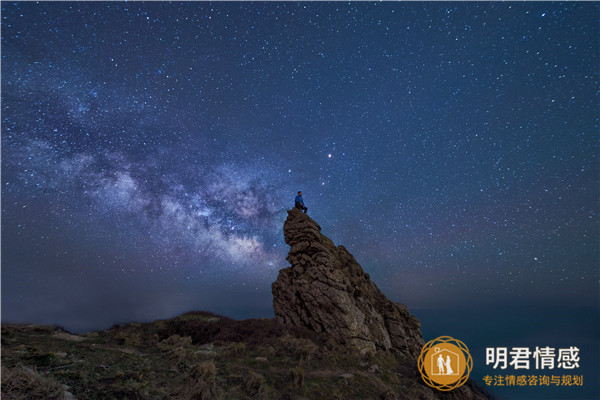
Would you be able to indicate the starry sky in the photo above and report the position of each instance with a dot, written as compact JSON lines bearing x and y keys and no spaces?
{"x":150,"y":151}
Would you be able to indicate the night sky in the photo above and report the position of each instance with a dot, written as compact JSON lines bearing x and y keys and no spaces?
{"x":150,"y":151}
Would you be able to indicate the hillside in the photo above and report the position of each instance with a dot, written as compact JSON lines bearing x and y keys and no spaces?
{"x":198,"y":356}
{"x":335,"y":336}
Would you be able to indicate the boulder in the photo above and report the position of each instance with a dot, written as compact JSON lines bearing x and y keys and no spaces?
{"x":326,"y":290}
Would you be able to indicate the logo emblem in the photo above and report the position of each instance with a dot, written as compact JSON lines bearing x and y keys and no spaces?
{"x":445,"y":363}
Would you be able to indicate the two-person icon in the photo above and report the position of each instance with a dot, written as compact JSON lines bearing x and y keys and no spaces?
{"x":444,"y":365}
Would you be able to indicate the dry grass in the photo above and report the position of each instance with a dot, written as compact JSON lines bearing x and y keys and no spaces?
{"x":22,"y":383}
{"x":177,"y":341}
{"x":201,"y":382}
{"x":302,"y":349}
{"x":254,"y":385}
{"x":197,"y":356}
{"x":297,"y":377}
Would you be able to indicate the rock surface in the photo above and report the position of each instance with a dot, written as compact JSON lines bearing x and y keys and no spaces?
{"x":326,"y":290}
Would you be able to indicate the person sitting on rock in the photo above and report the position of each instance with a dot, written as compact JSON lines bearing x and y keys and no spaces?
{"x":300,"y":202}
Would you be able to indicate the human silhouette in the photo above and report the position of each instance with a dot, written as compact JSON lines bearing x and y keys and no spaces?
{"x":300,"y":202}
{"x":449,"y":370}
{"x":440,"y":364}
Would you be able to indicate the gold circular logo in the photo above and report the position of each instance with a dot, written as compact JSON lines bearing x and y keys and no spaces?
{"x":445,"y":363}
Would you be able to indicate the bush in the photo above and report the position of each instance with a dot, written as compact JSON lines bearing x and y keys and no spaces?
{"x":302,"y":349}
{"x":39,"y":357}
{"x":22,"y":383}
{"x":236,"y":349}
{"x":201,"y":379}
{"x":132,"y":389}
{"x":254,"y":386}
{"x":178,"y":350}
{"x":388,"y":394}
{"x":297,"y":376}
{"x":177,"y":341}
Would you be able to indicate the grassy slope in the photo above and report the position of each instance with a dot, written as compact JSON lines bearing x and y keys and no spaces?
{"x":200,"y":356}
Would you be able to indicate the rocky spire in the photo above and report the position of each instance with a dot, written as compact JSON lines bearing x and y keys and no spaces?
{"x":326,"y":290}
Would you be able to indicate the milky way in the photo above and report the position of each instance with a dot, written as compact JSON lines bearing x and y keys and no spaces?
{"x":150,"y":150}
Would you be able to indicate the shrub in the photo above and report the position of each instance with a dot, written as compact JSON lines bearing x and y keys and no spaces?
{"x":177,"y":341}
{"x":25,"y":383}
{"x":132,"y":388}
{"x":179,"y":350}
{"x":129,"y":338}
{"x":297,"y":376}
{"x":201,"y":382}
{"x":236,"y":349}
{"x":388,"y":395}
{"x":39,"y":357}
{"x":302,"y":349}
{"x":254,"y":386}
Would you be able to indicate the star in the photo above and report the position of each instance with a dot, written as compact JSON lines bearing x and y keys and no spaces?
{"x":157,"y":148}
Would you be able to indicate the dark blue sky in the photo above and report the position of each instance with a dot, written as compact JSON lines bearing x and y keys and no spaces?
{"x":150,"y":150}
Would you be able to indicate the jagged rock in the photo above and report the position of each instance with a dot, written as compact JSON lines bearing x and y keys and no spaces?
{"x":326,"y":290}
